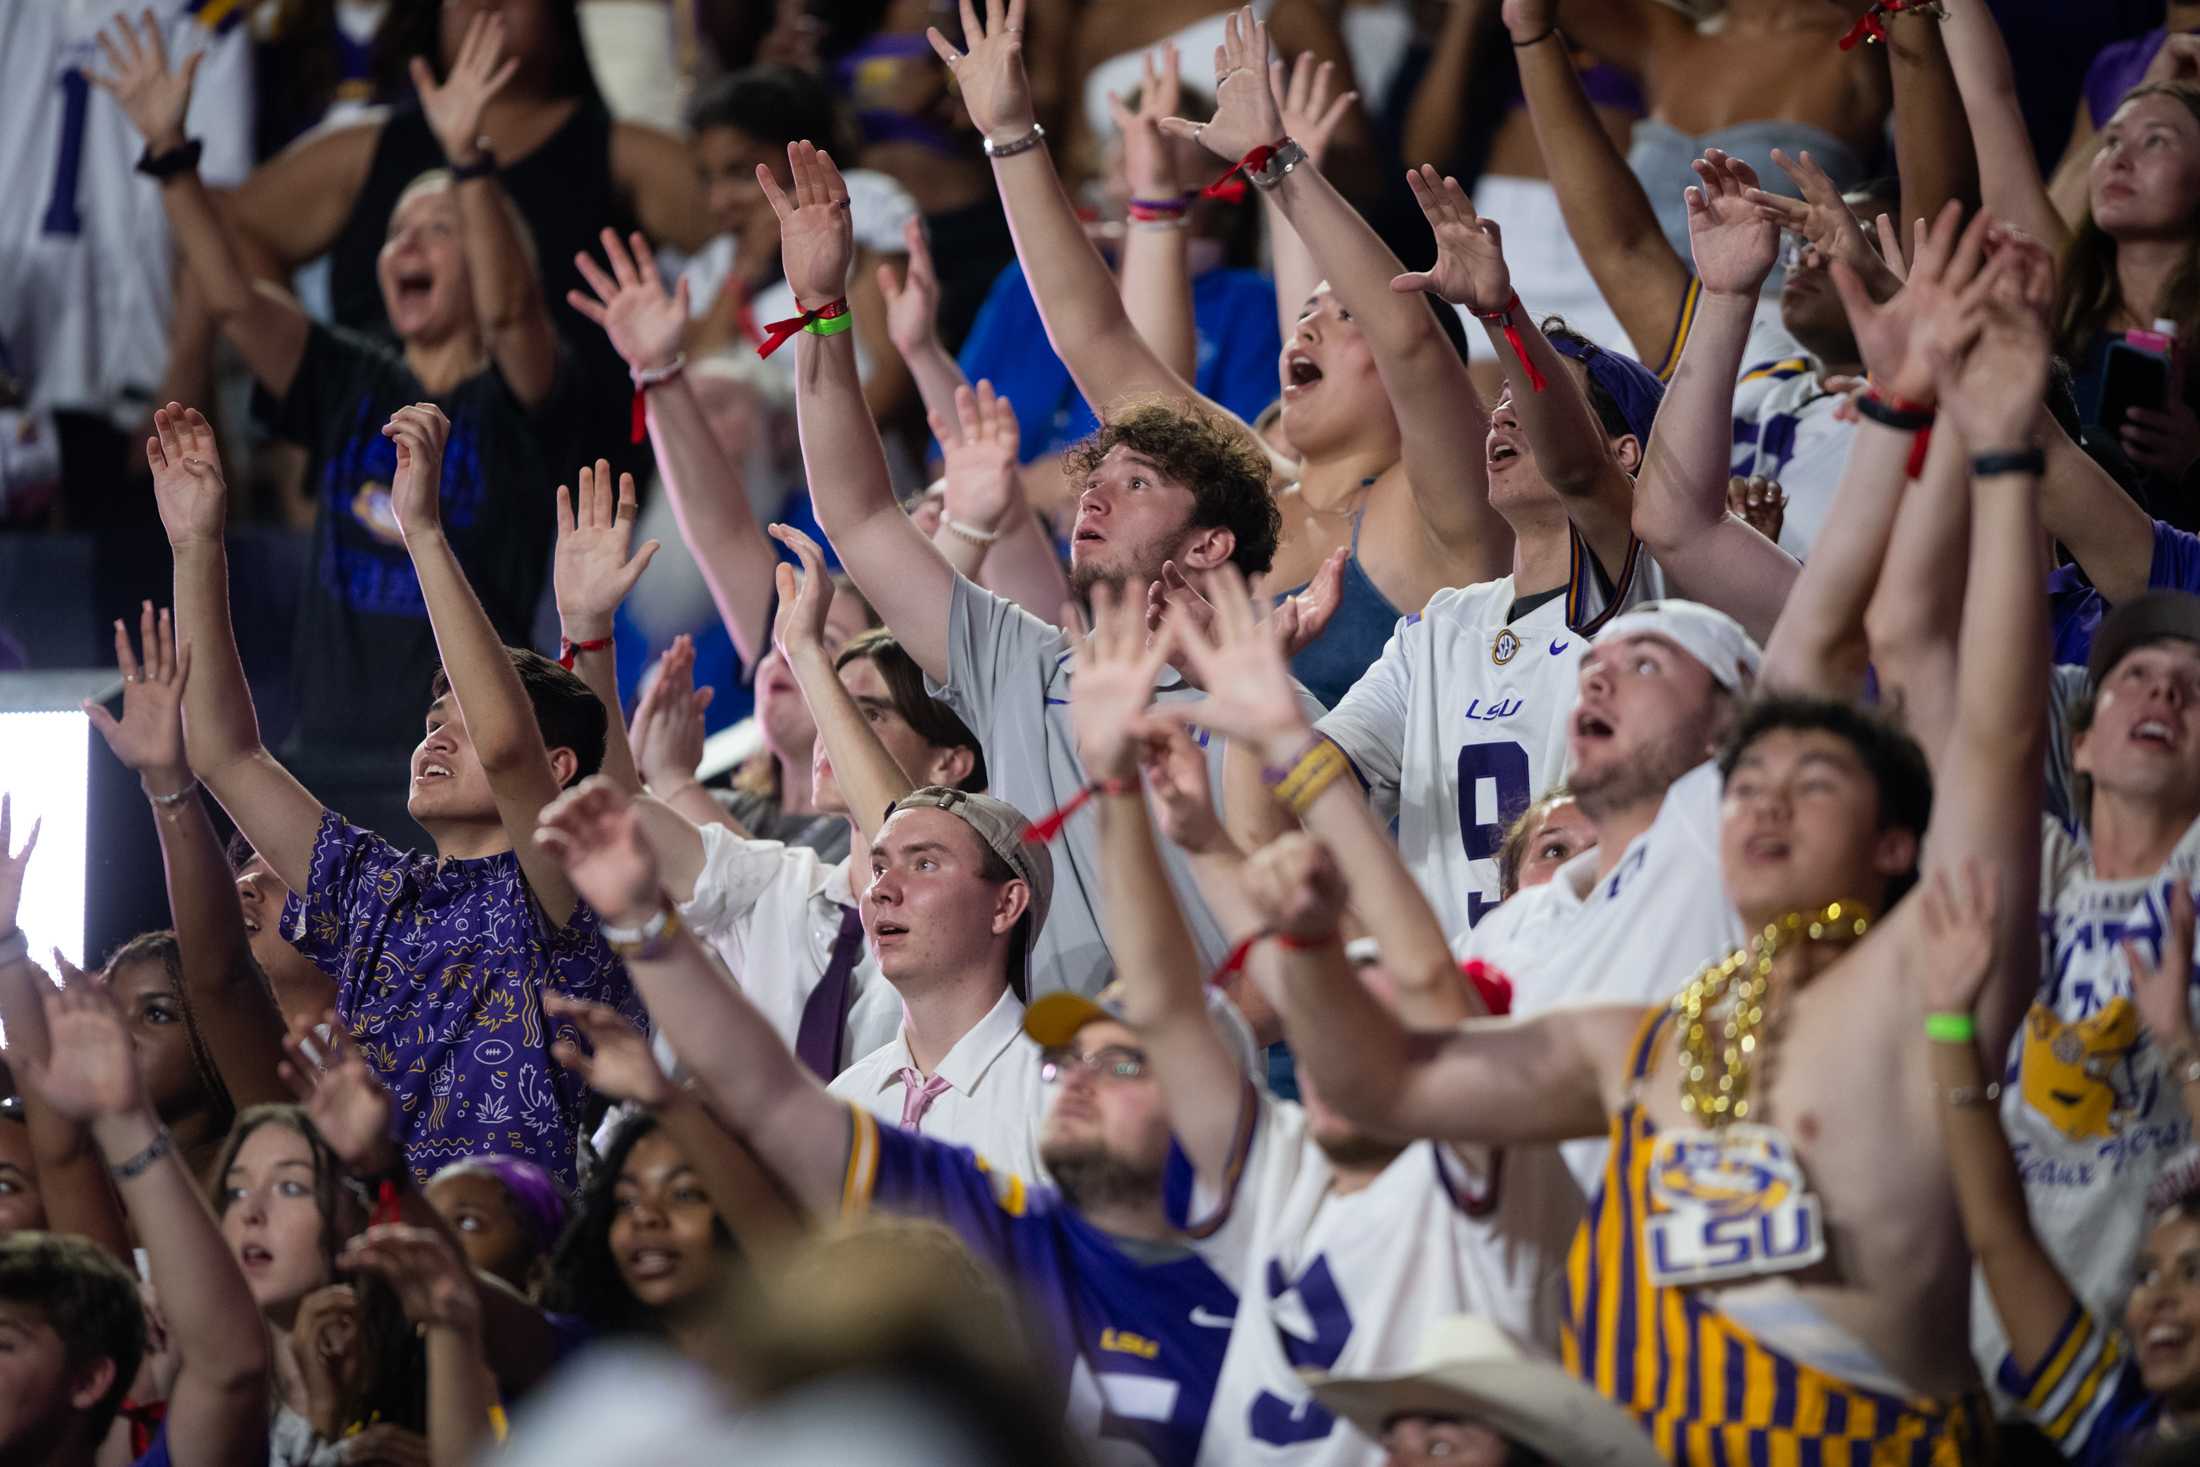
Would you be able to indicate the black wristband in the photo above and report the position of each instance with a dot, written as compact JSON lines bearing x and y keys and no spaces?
{"x":183,"y":158}
{"x":2019,"y":461}
{"x":1536,"y":40}
{"x":1892,"y":417}
{"x":484,"y":164}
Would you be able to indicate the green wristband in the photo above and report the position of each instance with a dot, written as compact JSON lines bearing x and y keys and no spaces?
{"x":830,"y":325}
{"x":1951,"y":1028}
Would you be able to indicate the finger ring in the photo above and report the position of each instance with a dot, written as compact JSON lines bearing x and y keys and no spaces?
{"x":133,"y":677}
{"x":1197,"y":129}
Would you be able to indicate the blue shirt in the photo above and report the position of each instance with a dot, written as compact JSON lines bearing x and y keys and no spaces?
{"x":440,"y":969}
{"x":1140,"y":1337}
{"x":2086,"y":1395}
{"x":2075,"y":609}
{"x":1234,"y":312}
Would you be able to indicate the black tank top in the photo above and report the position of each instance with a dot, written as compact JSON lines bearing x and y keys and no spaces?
{"x":565,"y":193}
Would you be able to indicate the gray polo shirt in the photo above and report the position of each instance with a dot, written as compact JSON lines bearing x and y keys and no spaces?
{"x":1008,"y":677}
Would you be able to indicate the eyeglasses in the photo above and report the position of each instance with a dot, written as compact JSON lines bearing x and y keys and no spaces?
{"x":1111,"y":1063}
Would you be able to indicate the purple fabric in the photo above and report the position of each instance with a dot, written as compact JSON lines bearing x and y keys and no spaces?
{"x":817,"y":1039}
{"x":440,"y":971}
{"x":2116,"y":70}
{"x":1607,"y":86}
{"x":537,"y":1200}
{"x":1633,"y":386}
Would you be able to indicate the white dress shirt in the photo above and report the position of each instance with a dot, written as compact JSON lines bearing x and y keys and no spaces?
{"x":993,"y":1099}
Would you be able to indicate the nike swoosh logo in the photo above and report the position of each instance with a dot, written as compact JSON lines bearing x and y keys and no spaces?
{"x":1558,"y":647}
{"x":1206,"y":1320}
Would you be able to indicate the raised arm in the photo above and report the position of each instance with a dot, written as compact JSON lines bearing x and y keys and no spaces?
{"x":221,"y":731}
{"x":229,"y":998}
{"x":869,"y":778}
{"x":668,"y":737}
{"x":1156,"y":274}
{"x":263,"y":323}
{"x":217,"y":1408}
{"x":2105,"y":530}
{"x":644,"y":322}
{"x":433,"y":1288}
{"x":508,"y":304}
{"x":2010,"y":186}
{"x":751,"y":1078}
{"x":499,"y":720}
{"x":1311,"y":111}
{"x":892,"y":563}
{"x":1680,"y":495}
{"x":1637,"y":270}
{"x":1443,"y":428}
{"x":912,"y":297}
{"x":986,"y":514}
{"x":592,"y":573}
{"x":1162,"y":976}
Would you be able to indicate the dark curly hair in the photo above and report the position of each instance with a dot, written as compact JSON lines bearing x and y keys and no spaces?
{"x":1214,"y":456}
{"x":584,"y":1277}
{"x":87,"y":1299}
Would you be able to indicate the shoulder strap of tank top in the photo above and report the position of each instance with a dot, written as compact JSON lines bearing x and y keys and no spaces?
{"x":1638,"y":1065}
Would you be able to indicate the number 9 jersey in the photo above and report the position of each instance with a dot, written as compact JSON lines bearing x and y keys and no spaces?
{"x":1467,"y":707}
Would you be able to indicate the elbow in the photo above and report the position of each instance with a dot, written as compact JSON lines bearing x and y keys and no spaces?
{"x":1662,"y":532}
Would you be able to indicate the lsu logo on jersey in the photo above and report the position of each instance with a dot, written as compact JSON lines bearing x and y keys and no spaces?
{"x":2078,"y":1075}
{"x":1505,"y":647}
{"x":1728,"y":1204}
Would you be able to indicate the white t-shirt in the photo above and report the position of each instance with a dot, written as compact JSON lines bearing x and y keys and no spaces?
{"x":85,"y":266}
{"x":994,"y":1097}
{"x":1348,"y":1282}
{"x":2090,"y":1108}
{"x":1468,"y":711}
{"x":1634,"y":937}
{"x":1785,"y":428}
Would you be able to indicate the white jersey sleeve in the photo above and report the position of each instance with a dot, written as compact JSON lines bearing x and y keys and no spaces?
{"x":1369,"y":721}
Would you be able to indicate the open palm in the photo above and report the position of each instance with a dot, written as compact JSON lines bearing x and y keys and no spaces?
{"x":1250,"y":695}
{"x":644,"y":321}
{"x":990,"y":76}
{"x":1470,"y":268}
{"x":479,"y":71}
{"x":617,"y":1062}
{"x":188,"y":487}
{"x":1113,"y":670}
{"x":154,"y":97}
{"x":592,"y":832}
{"x":1246,"y":115}
{"x":149,"y":735}
{"x":89,"y":1071}
{"x":817,"y":241}
{"x":1734,"y":243}
{"x":343,"y":1097}
{"x":14,"y":863}
{"x":592,"y":572}
{"x":981,"y":453}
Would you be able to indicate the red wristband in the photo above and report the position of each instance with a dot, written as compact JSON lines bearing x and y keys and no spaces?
{"x":777,"y":333}
{"x":1231,"y":186}
{"x":1047,"y":827}
{"x":1504,"y":318}
{"x":568,"y":649}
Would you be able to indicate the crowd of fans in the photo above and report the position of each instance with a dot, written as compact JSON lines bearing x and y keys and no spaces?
{"x":1345,"y":732}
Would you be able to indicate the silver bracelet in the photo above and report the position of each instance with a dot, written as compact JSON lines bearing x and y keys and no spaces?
{"x":1013,"y":146}
{"x":170,"y":801}
{"x":1965,"y":1095}
{"x":140,"y":1164}
{"x":971,"y":533}
{"x":651,"y":376}
{"x":1288,"y":155}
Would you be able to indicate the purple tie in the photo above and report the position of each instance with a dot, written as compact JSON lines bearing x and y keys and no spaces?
{"x":917,"y":1095}
{"x":825,"y":1013}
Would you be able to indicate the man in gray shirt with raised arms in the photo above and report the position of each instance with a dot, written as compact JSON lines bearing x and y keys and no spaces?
{"x":1159,"y":482}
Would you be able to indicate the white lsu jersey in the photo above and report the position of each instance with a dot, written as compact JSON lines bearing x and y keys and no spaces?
{"x":1347,"y":1282}
{"x":1469,"y":711}
{"x":2088,"y":1102}
{"x":85,"y":267}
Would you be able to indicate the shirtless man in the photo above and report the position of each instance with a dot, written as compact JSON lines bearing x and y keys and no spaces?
{"x":1836,"y":1280}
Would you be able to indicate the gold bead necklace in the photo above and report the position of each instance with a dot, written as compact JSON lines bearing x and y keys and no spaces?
{"x":1715,"y":1089}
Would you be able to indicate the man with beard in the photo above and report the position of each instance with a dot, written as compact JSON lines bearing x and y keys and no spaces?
{"x":1135,"y":1320}
{"x":1161,"y":482}
{"x":1343,"y":1245}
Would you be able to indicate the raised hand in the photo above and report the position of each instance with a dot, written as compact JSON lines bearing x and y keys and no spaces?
{"x":1990,"y":357}
{"x":990,"y":76}
{"x":1112,"y":667}
{"x":419,"y":432}
{"x":644,"y":321}
{"x":592,"y":571}
{"x":1294,"y":883}
{"x":1470,"y":267}
{"x":668,"y":730}
{"x":148,"y":738}
{"x":153,"y":97}
{"x":89,"y":1072}
{"x":187,"y":476}
{"x":1759,"y":502}
{"x":1308,"y":103}
{"x":805,"y":601}
{"x":1148,"y":162}
{"x":817,"y":241}
{"x":1734,"y":243}
{"x":1250,"y":695}
{"x":1246,"y":114}
{"x":981,"y":452}
{"x":432,"y":1283}
{"x":1959,"y":909}
{"x":1294,"y":621}
{"x":912,"y":295}
{"x":1823,"y":220}
{"x":1174,"y":767}
{"x":1941,"y":265}
{"x":2161,"y":990}
{"x":2177,"y":61}
{"x":341,"y":1095}
{"x":14,"y":865}
{"x":592,"y":832}
{"x":453,"y":110}
{"x":617,"y":1063}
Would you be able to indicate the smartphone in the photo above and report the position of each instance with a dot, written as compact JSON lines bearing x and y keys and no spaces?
{"x":2131,"y":378}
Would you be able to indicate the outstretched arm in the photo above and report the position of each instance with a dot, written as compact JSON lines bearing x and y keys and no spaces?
{"x":2010,"y":186}
{"x":752,"y":1079}
{"x":592,"y":574}
{"x":1311,"y":115}
{"x":1156,"y":275}
{"x":229,"y":998}
{"x":262,"y":322}
{"x":1680,"y":496}
{"x":221,"y":731}
{"x":508,"y":305}
{"x":485,"y":687}
{"x":644,"y":322}
{"x":217,"y":1409}
{"x":894,"y":566}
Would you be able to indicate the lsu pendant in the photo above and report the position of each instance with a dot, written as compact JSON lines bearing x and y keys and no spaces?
{"x":1727,"y":1204}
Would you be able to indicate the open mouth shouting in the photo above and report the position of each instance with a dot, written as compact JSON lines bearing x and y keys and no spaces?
{"x":1301,"y":374}
{"x":2155,"y":733}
